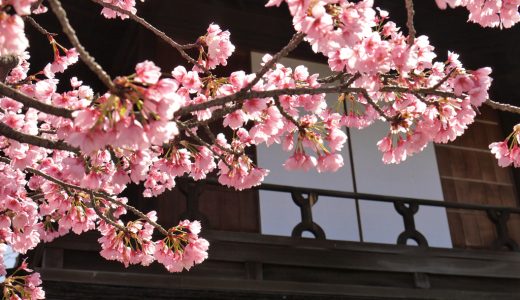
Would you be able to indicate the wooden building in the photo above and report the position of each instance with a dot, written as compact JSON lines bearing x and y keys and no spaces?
{"x":358,"y":234}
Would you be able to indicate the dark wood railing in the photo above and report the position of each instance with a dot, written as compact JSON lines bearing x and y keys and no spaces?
{"x":407,"y":208}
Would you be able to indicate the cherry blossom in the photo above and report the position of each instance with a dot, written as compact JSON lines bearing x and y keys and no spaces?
{"x":67,"y":151}
{"x":128,"y":5}
{"x":12,"y":35}
{"x":507,"y":152}
{"x":18,"y":286}
{"x":182,"y":248}
{"x":502,"y":13}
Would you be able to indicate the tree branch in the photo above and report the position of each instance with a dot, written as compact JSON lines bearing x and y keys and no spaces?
{"x":215,"y":116}
{"x":296,"y":39}
{"x":31,"y":102}
{"x":332,"y":78}
{"x":140,"y":214}
{"x":375,"y":106}
{"x":155,"y":31}
{"x":208,"y":145}
{"x":73,"y":38}
{"x":425,"y":91}
{"x":409,"y":22}
{"x":37,"y":26}
{"x":10,"y":133}
{"x":7,"y":63}
{"x":287,"y":115}
{"x":444,"y":79}
{"x":342,"y":88}
{"x":101,"y":215}
{"x":263,"y":94}
{"x":503,"y":106}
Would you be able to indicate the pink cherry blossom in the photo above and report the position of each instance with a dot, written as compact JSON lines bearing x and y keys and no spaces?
{"x":12,"y":35}
{"x":219,"y":46}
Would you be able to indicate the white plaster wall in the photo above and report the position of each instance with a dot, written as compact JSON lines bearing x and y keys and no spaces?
{"x":417,"y":177}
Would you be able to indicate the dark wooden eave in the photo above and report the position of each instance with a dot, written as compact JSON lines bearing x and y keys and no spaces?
{"x":256,"y":265}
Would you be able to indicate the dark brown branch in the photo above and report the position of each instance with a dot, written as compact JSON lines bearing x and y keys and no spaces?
{"x":375,"y":106}
{"x":7,"y":63}
{"x":215,"y":116}
{"x":101,"y":215}
{"x":443,"y":80}
{"x":198,"y":139}
{"x":210,"y":133}
{"x":424,"y":91}
{"x":10,"y":133}
{"x":140,"y":214}
{"x":263,"y":94}
{"x":73,"y":38}
{"x":48,"y":177}
{"x":287,"y":115}
{"x":343,"y":88}
{"x":351,"y":79}
{"x":31,"y":102}
{"x":180,"y":48}
{"x":409,"y":22}
{"x":503,"y":106}
{"x":37,"y":26}
{"x":331,"y":78}
{"x":424,"y":100}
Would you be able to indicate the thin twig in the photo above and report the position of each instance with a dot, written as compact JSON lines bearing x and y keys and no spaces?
{"x":215,"y":116}
{"x":155,"y":31}
{"x":210,"y":133}
{"x":37,"y":26}
{"x":424,"y":100}
{"x":206,"y":144}
{"x":342,"y":88}
{"x":10,"y":133}
{"x":266,"y":94}
{"x":48,"y":177}
{"x":331,"y":78}
{"x":287,"y":115}
{"x":140,"y":214}
{"x":375,"y":106}
{"x":296,"y":39}
{"x":503,"y":106}
{"x":424,"y":91}
{"x":83,"y":54}
{"x":443,"y":80}
{"x":351,"y":79}
{"x":31,"y":102}
{"x":101,"y":215}
{"x":409,"y":22}
{"x":218,"y":114}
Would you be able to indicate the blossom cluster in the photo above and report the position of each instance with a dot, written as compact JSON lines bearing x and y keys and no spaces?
{"x":507,"y":152}
{"x":219,"y":47}
{"x":127,"y":5}
{"x":488,"y":13}
{"x":132,"y":243}
{"x":438,"y":100}
{"x":17,"y":286}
